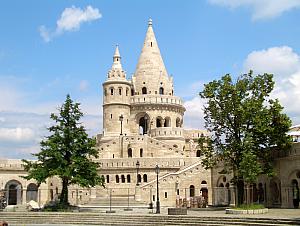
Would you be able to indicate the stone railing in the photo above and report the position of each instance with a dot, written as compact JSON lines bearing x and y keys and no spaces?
{"x":155,"y":99}
{"x":11,"y":164}
{"x":166,"y":131}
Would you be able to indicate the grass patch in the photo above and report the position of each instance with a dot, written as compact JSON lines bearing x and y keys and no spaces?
{"x":252,"y":206}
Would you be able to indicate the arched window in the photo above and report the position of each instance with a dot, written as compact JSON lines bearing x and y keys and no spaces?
{"x":192,"y":191}
{"x":143,"y":125}
{"x":127,"y":92}
{"x":139,"y":178}
{"x":145,"y":179}
{"x":117,"y":179}
{"x":198,"y":153}
{"x":123,"y":178}
{"x":129,"y":153}
{"x":167,"y":122}
{"x":144,"y":90}
{"x":111,"y":91}
{"x":107,"y":178}
{"x":141,"y":152}
{"x":161,"y":90}
{"x":120,"y":91}
{"x":31,"y":193}
{"x":128,"y":178}
{"x":203,"y":182}
{"x":158,"y":122}
{"x":178,"y":122}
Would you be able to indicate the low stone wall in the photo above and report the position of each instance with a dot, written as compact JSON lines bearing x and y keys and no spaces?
{"x":257,"y":211}
{"x":177,"y":211}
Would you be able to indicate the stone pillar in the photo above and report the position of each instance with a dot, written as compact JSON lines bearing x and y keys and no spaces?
{"x":24,"y":192}
{"x":138,"y":193}
{"x":93,"y":193}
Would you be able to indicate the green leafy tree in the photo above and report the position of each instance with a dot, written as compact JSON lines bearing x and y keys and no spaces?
{"x":246,"y":126}
{"x":66,"y":153}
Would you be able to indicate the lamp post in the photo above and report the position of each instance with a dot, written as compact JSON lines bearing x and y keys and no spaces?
{"x":137,"y":172}
{"x":157,"y":191}
{"x":121,"y":117}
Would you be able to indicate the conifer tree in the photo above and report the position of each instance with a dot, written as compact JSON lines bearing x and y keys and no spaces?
{"x":66,"y":152}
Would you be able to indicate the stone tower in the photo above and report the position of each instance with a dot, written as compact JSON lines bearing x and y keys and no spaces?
{"x":154,"y":108}
{"x":116,"y":99}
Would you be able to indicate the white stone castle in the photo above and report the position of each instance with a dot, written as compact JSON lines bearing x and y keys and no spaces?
{"x":143,"y":129}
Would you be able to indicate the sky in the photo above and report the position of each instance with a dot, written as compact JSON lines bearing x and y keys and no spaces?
{"x":49,"y":49}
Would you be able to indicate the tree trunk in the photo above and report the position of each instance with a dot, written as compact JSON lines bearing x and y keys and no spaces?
{"x":64,"y":192}
{"x":240,"y":191}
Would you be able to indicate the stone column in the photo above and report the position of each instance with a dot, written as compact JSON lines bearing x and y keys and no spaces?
{"x":24,"y":192}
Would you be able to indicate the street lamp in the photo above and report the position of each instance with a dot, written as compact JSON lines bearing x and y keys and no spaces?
{"x":157,"y":191}
{"x":137,"y":172}
{"x":121,"y":117}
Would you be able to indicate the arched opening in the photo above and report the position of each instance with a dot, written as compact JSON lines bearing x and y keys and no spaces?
{"x":139,"y":178}
{"x":144,"y":90}
{"x":117,"y":179}
{"x":198,"y":153}
{"x":161,"y":90}
{"x":32,"y":192}
{"x":107,"y":178}
{"x":128,"y":178}
{"x":14,"y":191}
{"x":204,"y":192}
{"x":158,"y":122}
{"x":132,"y":92}
{"x":177,"y":122}
{"x":127,"y":91}
{"x":129,"y":152}
{"x":122,"y":178}
{"x":143,"y":125}
{"x":145,"y":179}
{"x":295,"y":187}
{"x":120,"y":91}
{"x":261,"y":193}
{"x":167,"y":122}
{"x":141,"y":152}
{"x":221,"y":185}
{"x":111,"y":91}
{"x":203,"y":182}
{"x":51,"y":194}
{"x":192,"y":191}
{"x":275,"y":190}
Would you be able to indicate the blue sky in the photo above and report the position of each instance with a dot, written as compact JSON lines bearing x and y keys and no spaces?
{"x":51,"y":48}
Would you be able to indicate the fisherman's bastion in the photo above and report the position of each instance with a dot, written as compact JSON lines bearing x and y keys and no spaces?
{"x":144,"y":144}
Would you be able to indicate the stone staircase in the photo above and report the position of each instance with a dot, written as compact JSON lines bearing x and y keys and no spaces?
{"x":25,"y":218}
{"x":119,"y":202}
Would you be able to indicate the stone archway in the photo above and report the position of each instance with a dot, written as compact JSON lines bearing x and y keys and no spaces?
{"x":32,"y":192}
{"x":143,"y":123}
{"x":14,"y":192}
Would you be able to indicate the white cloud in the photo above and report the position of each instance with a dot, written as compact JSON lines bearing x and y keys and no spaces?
{"x":194,"y":116}
{"x":70,"y":20}
{"x":16,"y":134}
{"x":284,"y":63}
{"x":262,"y":9}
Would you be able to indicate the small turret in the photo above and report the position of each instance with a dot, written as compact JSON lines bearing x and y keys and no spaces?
{"x":116,"y":99}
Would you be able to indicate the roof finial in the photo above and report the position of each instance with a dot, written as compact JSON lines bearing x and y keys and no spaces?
{"x":149,"y":22}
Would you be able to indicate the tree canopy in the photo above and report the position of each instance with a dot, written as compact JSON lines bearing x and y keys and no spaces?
{"x":246,"y":125}
{"x":66,"y":152}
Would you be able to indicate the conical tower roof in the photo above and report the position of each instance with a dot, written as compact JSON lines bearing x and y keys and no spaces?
{"x":150,"y":70}
{"x":116,"y":72}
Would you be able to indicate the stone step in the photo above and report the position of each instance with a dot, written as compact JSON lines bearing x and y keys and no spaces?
{"x":114,"y":219}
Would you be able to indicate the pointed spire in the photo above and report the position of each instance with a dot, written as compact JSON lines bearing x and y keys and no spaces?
{"x":117,"y":59}
{"x":116,"y":72}
{"x":151,"y":69}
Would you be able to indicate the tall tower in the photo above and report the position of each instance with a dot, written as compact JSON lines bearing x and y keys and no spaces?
{"x":151,"y":76}
{"x":116,"y":99}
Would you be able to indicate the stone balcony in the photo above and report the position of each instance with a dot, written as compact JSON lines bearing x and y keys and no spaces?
{"x":166,"y":132}
{"x":156,"y":99}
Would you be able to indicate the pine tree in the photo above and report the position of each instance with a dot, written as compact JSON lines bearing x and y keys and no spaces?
{"x":66,"y":153}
